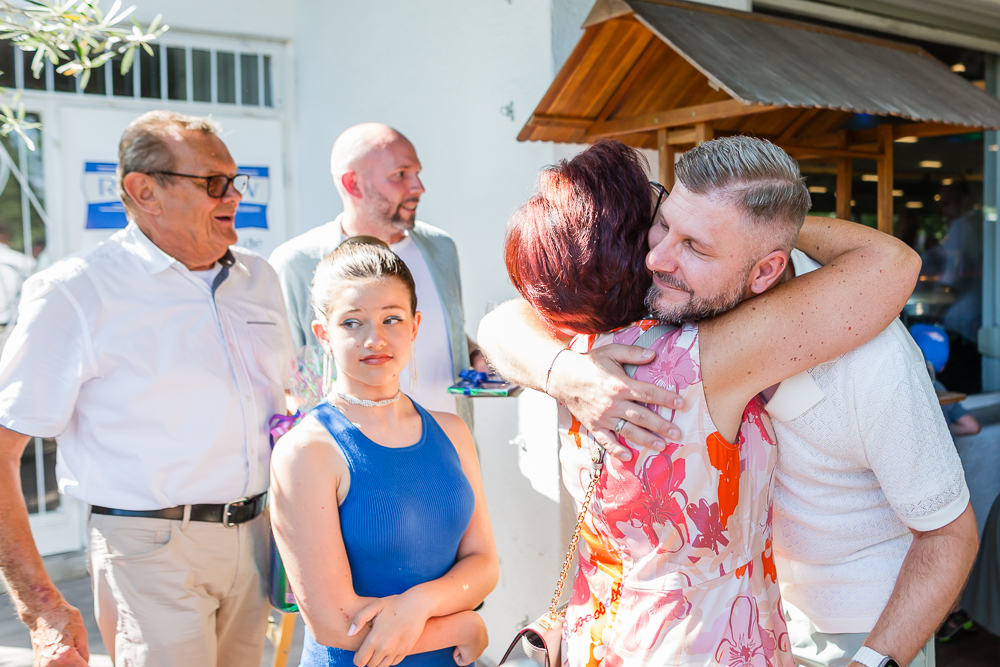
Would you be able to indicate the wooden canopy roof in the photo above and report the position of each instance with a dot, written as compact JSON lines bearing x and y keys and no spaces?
{"x":667,"y":74}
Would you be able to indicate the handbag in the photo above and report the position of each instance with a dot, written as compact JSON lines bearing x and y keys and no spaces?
{"x":541,"y":642}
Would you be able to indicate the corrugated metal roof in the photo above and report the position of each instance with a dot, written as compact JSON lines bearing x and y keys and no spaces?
{"x":789,"y":64}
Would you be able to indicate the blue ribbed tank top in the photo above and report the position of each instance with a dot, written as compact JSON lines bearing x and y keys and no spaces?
{"x":406,"y":510}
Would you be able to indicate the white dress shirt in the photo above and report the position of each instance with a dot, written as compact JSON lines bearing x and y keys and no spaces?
{"x":157,"y":391}
{"x":864,"y":455}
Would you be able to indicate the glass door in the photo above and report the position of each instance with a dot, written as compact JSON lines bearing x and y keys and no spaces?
{"x":56,"y":521}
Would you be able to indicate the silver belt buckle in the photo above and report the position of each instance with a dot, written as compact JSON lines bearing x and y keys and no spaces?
{"x":227,"y":511}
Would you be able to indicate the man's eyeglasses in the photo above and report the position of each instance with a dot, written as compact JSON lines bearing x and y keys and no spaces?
{"x":217,"y":185}
{"x":661,"y":193}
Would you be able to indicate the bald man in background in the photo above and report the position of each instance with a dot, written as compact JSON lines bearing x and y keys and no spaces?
{"x":376,"y":171}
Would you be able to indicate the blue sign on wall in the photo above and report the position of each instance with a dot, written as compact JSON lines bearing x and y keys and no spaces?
{"x":105,"y":210}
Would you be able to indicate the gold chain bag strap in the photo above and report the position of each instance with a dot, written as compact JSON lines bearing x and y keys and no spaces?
{"x":541,"y":642}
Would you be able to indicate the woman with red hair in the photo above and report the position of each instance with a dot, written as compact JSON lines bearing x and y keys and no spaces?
{"x":675,"y":566}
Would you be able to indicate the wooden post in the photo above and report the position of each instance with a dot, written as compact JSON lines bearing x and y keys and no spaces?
{"x":280,"y":628}
{"x":844,"y":176}
{"x":702,"y":133}
{"x":885,"y":179}
{"x":666,"y":150}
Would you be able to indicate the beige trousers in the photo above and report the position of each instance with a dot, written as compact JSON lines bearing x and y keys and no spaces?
{"x":180,"y":594}
{"x":821,"y":649}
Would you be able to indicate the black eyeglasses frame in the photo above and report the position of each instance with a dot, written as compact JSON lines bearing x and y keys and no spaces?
{"x":659,"y":199}
{"x":230,"y":180}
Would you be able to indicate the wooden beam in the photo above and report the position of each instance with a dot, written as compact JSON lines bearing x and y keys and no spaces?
{"x":929,"y":130}
{"x":871,"y":136}
{"x":885,"y":136}
{"x":683,"y":136}
{"x":816,"y":152}
{"x":844,"y":176}
{"x":702,"y":133}
{"x":562,"y":122}
{"x":700,"y":113}
{"x":667,"y":153}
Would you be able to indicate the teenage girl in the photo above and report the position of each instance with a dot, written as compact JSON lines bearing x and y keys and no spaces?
{"x":377,"y":504}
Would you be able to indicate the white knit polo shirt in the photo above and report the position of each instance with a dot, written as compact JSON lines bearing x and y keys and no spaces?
{"x":864,"y":455}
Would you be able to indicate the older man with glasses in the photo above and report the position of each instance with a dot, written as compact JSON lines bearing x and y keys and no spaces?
{"x":155,"y":359}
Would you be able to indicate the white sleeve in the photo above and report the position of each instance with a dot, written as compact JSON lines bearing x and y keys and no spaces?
{"x":911,"y":451}
{"x":46,"y":359}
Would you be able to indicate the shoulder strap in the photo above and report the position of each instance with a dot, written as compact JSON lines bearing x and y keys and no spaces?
{"x":648,"y":337}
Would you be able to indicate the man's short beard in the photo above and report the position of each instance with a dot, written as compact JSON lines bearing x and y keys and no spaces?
{"x":696,"y":308}
{"x":381,"y":208}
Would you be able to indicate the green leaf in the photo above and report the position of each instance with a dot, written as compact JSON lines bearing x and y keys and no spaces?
{"x":127,"y":60}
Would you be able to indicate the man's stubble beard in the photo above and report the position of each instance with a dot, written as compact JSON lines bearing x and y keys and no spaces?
{"x":696,"y":308}
{"x":382,"y":209}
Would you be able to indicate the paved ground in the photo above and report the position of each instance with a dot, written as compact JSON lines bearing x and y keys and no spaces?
{"x":977,"y":648}
{"x":15,"y":643}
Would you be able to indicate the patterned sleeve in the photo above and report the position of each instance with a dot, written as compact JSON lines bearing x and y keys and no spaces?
{"x":910,"y":449}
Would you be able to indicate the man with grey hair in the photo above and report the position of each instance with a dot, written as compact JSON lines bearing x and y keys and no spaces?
{"x":874,"y":535}
{"x":377,"y":174}
{"x":155,"y":359}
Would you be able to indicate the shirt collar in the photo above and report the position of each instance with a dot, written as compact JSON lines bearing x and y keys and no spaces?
{"x":152,"y":257}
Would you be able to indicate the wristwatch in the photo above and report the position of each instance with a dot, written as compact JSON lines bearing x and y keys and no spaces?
{"x":869,"y":658}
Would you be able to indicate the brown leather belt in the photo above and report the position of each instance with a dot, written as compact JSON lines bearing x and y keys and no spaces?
{"x":229,"y":514}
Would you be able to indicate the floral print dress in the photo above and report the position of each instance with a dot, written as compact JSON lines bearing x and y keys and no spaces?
{"x":674,"y":564}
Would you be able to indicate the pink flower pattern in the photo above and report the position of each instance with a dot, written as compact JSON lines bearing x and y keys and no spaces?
{"x":661,"y":580}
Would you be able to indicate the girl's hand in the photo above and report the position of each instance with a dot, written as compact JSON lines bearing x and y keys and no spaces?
{"x":397,"y":622}
{"x":474,"y":645}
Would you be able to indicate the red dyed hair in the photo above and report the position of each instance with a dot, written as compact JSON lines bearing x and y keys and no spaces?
{"x":576,"y":251}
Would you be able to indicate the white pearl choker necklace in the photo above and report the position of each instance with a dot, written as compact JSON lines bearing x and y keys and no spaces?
{"x":354,"y":400}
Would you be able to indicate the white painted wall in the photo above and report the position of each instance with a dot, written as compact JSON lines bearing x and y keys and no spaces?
{"x":250,"y":18}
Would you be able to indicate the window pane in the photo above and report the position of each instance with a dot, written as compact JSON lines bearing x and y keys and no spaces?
{"x":63,"y":83}
{"x":248,"y":72}
{"x":226,"y":73}
{"x":97,"y":85}
{"x":29,"y":478}
{"x":7,"y":64}
{"x":30,"y":82}
{"x":201,"y":66}
{"x":51,"y":483}
{"x":11,"y":219}
{"x":938,"y":184}
{"x":122,"y":85}
{"x":149,"y":73}
{"x":176,"y":74}
{"x":268,"y":101}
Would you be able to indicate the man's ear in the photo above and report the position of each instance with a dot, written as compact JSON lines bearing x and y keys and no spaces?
{"x":350,"y":182}
{"x":143,"y":191}
{"x":767,"y":271}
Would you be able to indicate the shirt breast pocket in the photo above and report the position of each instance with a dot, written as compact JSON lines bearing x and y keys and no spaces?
{"x":268,"y":351}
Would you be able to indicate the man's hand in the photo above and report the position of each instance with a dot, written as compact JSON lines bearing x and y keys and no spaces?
{"x":59,"y":638}
{"x":598,"y":392}
{"x":478,"y":361}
